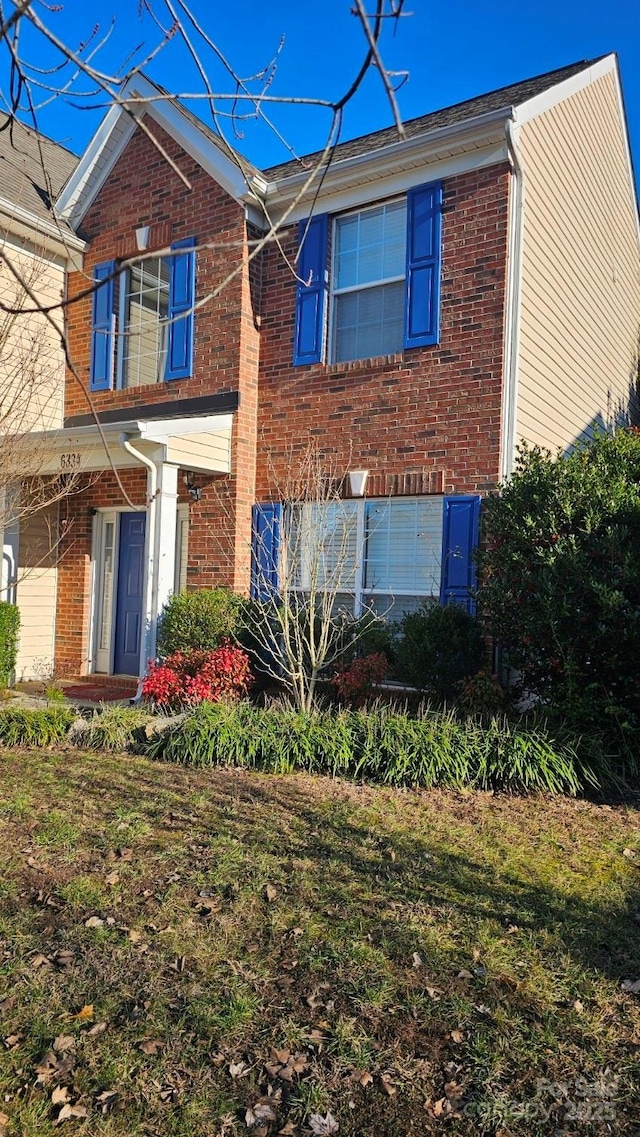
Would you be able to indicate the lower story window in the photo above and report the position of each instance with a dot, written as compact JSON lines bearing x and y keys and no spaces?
{"x":382,"y":553}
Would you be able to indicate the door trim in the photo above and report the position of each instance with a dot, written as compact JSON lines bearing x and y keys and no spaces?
{"x":101,"y":659}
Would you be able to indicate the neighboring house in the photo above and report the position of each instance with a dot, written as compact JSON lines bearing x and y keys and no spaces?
{"x":41,"y":249}
{"x":472,"y":285}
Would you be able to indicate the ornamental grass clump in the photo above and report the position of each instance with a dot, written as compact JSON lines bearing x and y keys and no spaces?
{"x":185,"y":679}
{"x":433,"y":748}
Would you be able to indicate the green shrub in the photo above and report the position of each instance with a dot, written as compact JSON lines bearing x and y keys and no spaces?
{"x":560,"y":580}
{"x":9,"y":631}
{"x":438,"y":648}
{"x":22,"y":726}
{"x":112,"y":728}
{"x":429,"y":749}
{"x":200,"y":620}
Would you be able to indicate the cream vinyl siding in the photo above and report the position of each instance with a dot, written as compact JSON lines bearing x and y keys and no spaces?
{"x":580,"y":300}
{"x":36,"y":593}
{"x":31,"y":356}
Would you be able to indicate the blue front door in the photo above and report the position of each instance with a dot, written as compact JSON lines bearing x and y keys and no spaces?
{"x":131,"y":576}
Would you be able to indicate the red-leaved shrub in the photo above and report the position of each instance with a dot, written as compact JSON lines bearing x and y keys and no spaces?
{"x":186,"y":678}
{"x":356,"y":682}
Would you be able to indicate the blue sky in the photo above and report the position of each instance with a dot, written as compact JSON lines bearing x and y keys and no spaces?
{"x":452,"y":51}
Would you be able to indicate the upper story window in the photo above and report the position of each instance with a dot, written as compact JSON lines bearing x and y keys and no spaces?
{"x":368,"y":282}
{"x":142,"y":328}
{"x":142,"y":332}
{"x":384,"y":283}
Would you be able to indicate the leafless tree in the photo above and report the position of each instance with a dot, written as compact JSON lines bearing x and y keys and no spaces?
{"x":43,"y":65}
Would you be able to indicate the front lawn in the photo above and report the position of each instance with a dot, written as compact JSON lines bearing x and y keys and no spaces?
{"x":197,"y":953}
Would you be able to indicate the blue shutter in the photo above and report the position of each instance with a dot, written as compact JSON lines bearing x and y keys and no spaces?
{"x":182,"y":278}
{"x":265,"y":549}
{"x":422,"y":297}
{"x":102,"y":327}
{"x":310,"y":297}
{"x":460,"y":536}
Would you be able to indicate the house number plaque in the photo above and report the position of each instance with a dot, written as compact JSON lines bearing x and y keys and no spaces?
{"x":70,"y":461}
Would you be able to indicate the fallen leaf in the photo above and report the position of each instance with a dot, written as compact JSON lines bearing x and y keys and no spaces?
{"x":13,"y":1040}
{"x":4,"y":1121}
{"x":94,"y":922}
{"x":39,"y":960}
{"x":108,"y":1100}
{"x":99,"y":1028}
{"x":261,"y":1111}
{"x":434,"y":993}
{"x":464,"y":974}
{"x":64,"y":1042}
{"x":70,"y":1113}
{"x":365,"y":1079}
{"x":85,"y":1014}
{"x":631,"y":985}
{"x":456,"y":1036}
{"x":135,"y":936}
{"x":238,"y":1069}
{"x":150,"y":1045}
{"x":271,"y":892}
{"x":417,"y":959}
{"x":578,"y":1007}
{"x":112,"y":878}
{"x":387,"y":1085}
{"x":631,"y":854}
{"x":8,"y":1003}
{"x":63,"y":958}
{"x":323,"y":1126}
{"x":60,"y":1095}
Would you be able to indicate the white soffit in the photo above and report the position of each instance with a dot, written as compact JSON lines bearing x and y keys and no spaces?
{"x":116,"y":130}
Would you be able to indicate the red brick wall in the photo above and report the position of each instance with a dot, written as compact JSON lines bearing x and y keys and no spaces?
{"x":421,"y":420}
{"x":142,"y":189}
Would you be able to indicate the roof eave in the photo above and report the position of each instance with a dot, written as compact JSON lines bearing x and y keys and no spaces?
{"x":471,"y":133}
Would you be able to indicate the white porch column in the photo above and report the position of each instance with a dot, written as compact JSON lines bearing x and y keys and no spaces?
{"x":164,"y":560}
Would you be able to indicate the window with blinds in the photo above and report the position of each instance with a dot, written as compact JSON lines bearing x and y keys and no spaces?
{"x":382,"y":553}
{"x":369,"y":282}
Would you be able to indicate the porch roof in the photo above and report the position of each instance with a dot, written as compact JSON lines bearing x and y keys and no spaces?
{"x":198,"y":443}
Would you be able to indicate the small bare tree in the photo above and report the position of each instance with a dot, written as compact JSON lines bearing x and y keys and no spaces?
{"x":306,"y":624}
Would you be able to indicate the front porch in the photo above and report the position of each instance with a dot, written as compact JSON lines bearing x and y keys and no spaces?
{"x":123,"y":534}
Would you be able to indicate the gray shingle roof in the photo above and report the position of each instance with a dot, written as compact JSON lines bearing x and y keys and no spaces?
{"x":33,"y":168}
{"x":483,"y":104}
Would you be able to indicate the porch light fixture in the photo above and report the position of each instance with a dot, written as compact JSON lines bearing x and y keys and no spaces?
{"x":192,"y":488}
{"x":358,"y":482}
{"x":142,"y":238}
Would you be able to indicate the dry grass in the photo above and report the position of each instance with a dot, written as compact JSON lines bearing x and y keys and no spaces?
{"x":419,"y":961}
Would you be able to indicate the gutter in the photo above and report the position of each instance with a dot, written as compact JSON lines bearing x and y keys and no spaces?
{"x":512,"y":315}
{"x":65,"y":238}
{"x":148,"y":645}
{"x":384,"y":156}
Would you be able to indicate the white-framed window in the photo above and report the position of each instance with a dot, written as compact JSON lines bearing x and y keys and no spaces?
{"x":142,"y":323}
{"x":378,"y":553}
{"x":368,"y":282}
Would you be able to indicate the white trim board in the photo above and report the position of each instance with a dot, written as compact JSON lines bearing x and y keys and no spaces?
{"x":112,"y":137}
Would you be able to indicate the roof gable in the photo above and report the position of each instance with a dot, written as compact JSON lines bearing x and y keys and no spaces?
{"x":143,"y":99}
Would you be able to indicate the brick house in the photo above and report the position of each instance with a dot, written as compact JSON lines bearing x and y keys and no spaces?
{"x":470,"y":286}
